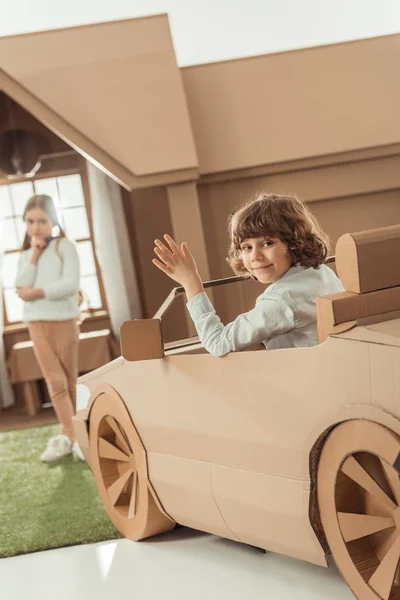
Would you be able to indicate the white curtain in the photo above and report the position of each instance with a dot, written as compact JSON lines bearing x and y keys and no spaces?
{"x":6,"y":393}
{"x":113,"y":249}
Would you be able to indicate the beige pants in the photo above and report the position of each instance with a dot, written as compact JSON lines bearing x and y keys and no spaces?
{"x":56,"y":347}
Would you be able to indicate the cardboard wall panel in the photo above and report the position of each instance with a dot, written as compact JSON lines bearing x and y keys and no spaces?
{"x":141,"y":207}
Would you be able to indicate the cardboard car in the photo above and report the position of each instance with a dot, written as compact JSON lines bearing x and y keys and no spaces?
{"x":296,"y":451}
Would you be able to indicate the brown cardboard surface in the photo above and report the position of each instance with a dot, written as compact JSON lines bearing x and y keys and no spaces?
{"x":369,"y":260}
{"x":266,"y":511}
{"x":192,"y":410}
{"x":370,"y":564}
{"x":231,"y":445}
{"x":122,"y":69}
{"x":141,"y":339}
{"x":185,"y":486}
{"x":341,"y":308}
{"x":385,"y":332}
{"x":119,"y":463}
{"x":218,"y":89}
{"x":325,"y":327}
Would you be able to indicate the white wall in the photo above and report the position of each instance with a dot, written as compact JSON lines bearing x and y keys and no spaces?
{"x":211,"y":30}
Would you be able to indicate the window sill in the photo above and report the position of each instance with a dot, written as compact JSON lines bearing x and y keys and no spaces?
{"x":21,"y":327}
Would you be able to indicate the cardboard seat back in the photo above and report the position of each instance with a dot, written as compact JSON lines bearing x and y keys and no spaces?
{"x":367,"y":261}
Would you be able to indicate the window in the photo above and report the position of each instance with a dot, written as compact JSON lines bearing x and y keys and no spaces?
{"x":68,"y":196}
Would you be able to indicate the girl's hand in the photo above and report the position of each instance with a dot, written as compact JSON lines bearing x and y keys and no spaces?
{"x":38,"y":244}
{"x":28,"y":294}
{"x":177,"y":263}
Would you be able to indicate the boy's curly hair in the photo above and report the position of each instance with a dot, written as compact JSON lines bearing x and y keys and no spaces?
{"x":279,"y":216}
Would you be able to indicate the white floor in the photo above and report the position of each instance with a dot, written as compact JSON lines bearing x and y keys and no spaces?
{"x":181,"y":565}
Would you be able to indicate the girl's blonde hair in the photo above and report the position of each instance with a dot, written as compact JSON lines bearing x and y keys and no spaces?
{"x":278,"y":216}
{"x":45,"y":203}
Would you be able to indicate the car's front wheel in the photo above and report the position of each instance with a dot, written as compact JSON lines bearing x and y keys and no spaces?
{"x":359,"y":501}
{"x":119,"y":464}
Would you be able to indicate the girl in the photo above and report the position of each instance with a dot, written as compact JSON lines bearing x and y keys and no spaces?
{"x":276,"y":240}
{"x":48,"y":283}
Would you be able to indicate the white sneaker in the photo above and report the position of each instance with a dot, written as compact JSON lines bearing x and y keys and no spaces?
{"x":57,"y":447}
{"x":77,"y":451}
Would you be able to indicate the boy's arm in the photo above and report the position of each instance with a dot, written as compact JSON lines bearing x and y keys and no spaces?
{"x":270,"y":317}
{"x":193,"y":287}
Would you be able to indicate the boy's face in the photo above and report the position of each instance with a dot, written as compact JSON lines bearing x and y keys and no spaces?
{"x":266,"y":258}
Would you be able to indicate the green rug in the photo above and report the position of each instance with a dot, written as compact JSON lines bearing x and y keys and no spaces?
{"x":42,"y":505}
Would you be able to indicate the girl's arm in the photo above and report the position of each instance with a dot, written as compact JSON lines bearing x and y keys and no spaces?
{"x":26,"y":271}
{"x":69,"y":284}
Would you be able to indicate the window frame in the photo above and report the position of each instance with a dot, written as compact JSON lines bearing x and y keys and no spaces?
{"x":58,"y":166}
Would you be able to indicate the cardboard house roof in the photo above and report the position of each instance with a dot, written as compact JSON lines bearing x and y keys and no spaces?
{"x":113,"y":91}
{"x":293,"y":105}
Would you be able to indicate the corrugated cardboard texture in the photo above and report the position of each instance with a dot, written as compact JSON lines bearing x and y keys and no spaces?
{"x":119,"y":464}
{"x":369,"y":260}
{"x":185,"y":486}
{"x":341,"y":308}
{"x":357,"y":456}
{"x":116,"y":83}
{"x":199,"y":414}
{"x":260,"y":103}
{"x":141,"y":339}
{"x":384,"y":332}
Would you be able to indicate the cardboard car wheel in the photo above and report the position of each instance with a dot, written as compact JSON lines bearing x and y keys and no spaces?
{"x":359,"y":498}
{"x":119,"y":464}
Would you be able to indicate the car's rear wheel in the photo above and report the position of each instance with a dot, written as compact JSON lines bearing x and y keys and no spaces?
{"x":119,"y":464}
{"x":359,"y":498}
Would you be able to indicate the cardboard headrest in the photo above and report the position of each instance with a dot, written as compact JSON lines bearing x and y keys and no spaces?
{"x":367,"y":261}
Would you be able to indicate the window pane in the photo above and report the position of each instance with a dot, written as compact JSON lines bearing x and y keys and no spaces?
{"x":9,"y":269}
{"x":71,"y":193}
{"x":76,"y":223}
{"x":21,"y":230}
{"x":5,"y":202}
{"x":9,"y":239}
{"x":14,"y":306}
{"x":86,"y":258}
{"x":48,"y":187}
{"x":21,"y":192}
{"x":91,"y":290}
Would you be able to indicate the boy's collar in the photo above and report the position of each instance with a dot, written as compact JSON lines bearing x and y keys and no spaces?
{"x":293,"y":270}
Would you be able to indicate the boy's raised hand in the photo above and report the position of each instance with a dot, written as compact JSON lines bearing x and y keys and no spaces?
{"x":177,"y":263}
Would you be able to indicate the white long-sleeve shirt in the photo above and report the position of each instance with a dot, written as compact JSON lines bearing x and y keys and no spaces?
{"x":284,"y":316}
{"x":57,"y":273}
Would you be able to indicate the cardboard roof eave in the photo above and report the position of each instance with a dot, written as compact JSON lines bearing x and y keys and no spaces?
{"x":113,"y":91}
